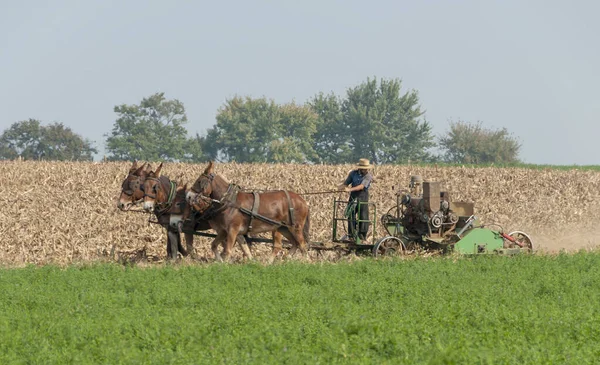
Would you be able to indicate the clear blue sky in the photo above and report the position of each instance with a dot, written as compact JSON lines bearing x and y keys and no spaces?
{"x":529,"y":66}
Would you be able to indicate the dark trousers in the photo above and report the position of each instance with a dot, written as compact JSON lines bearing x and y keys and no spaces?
{"x":362,"y":211}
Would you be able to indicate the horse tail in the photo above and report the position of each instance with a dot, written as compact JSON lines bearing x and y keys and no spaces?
{"x":306,"y":229}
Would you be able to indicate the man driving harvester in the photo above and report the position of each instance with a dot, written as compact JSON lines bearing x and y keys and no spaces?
{"x":360,"y":180}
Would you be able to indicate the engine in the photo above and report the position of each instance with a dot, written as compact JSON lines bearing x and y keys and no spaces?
{"x":426,"y":210}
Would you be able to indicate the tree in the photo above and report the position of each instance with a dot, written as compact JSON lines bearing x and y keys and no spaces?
{"x":293,"y":140}
{"x":385,"y":125}
{"x":152,"y":130}
{"x":194,"y":150}
{"x":331,"y":137}
{"x":374,"y":121}
{"x":259,"y":130}
{"x":471,"y":143}
{"x":31,"y":141}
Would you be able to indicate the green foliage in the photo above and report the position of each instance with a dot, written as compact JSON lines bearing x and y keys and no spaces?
{"x":375,"y":122}
{"x":258,"y":130}
{"x":152,"y":131}
{"x":385,"y":125}
{"x":194,"y":150}
{"x":519,"y":165}
{"x":491,"y":309}
{"x":30,"y":140}
{"x":331,"y":137}
{"x":293,"y":142}
{"x":472,"y":143}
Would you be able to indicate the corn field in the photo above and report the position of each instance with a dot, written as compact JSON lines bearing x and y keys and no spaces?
{"x":65,"y":212}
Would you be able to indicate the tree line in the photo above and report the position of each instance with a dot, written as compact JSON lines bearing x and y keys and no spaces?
{"x":374,"y":120}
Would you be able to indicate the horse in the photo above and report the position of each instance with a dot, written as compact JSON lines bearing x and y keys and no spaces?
{"x":168,"y":202}
{"x":283,"y":213}
{"x":132,"y":193}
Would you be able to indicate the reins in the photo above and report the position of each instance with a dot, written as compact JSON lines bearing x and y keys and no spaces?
{"x":210,"y":177}
{"x":308,"y":193}
{"x":320,"y":192}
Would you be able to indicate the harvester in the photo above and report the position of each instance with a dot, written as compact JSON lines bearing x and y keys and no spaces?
{"x":426,"y":218}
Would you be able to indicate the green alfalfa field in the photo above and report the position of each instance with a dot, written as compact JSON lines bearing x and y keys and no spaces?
{"x":529,"y":309}
{"x":65,"y":300}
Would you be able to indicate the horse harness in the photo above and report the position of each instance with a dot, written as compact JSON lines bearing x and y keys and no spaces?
{"x":163,"y":181}
{"x":230,"y":199}
{"x":254,"y":212}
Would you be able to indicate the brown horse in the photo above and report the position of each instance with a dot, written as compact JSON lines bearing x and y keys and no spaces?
{"x":132,"y":193}
{"x":168,"y":202}
{"x":282,"y":213}
{"x":131,"y":188}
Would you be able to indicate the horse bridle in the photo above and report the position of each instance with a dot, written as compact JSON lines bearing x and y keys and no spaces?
{"x":129,"y":191}
{"x":171,"y":195}
{"x":213,"y":206}
{"x":154,"y":188}
{"x":209,"y":179}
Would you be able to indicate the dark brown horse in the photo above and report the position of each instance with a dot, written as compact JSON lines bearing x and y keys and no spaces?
{"x":132,"y":193}
{"x":131,"y":188}
{"x":167,"y":201}
{"x":282,"y":213}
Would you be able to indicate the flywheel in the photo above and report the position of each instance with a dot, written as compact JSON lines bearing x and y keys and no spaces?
{"x":392,"y":219}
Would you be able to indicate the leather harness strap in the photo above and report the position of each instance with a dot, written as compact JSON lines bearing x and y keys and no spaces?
{"x":255,"y":206}
{"x":254,"y":212}
{"x":290,"y":207}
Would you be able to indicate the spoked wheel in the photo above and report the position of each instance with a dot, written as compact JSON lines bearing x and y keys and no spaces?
{"x":389,"y":246}
{"x":522,"y":240}
{"x":391,"y":218}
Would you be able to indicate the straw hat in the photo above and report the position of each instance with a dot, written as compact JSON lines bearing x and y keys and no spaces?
{"x":363,"y":163}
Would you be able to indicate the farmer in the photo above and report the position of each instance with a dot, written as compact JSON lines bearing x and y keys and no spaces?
{"x":360,"y":180}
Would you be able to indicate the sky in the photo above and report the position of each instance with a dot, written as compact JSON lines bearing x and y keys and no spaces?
{"x":528,"y":66}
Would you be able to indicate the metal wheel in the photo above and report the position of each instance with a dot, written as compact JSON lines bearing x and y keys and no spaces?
{"x":522,"y":239}
{"x":390,"y":217}
{"x":389,"y":246}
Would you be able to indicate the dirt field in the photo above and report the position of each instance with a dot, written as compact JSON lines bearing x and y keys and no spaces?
{"x":61,"y":212}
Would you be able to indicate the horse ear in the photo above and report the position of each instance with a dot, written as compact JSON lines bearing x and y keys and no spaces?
{"x":134,"y":166}
{"x":138,"y":172}
{"x":209,"y":168}
{"x":157,"y":172}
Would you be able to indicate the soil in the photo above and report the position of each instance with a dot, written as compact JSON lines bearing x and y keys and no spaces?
{"x":569,"y":239}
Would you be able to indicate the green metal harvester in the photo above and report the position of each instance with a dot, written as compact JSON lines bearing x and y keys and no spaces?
{"x":425,"y":217}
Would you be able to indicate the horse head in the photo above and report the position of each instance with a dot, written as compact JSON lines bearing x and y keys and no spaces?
{"x":131,"y":188}
{"x":203,"y":184}
{"x":154,"y":191}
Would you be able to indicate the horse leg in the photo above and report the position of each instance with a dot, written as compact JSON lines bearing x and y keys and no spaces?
{"x":189,"y":243}
{"x":168,"y":245}
{"x":232,"y":235}
{"x":296,"y":237}
{"x":173,"y":241}
{"x":180,"y":247}
{"x":292,"y":238}
{"x":277,"y":237}
{"x":244,"y":246}
{"x":215,"y":245}
{"x":302,"y":244}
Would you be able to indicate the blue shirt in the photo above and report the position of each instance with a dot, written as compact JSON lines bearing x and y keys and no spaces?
{"x":355,"y":178}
